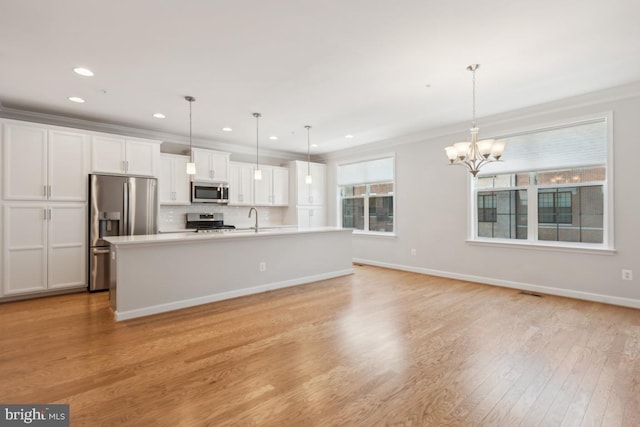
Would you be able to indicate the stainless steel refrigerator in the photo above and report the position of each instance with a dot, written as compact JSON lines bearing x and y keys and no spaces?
{"x":118,"y":206}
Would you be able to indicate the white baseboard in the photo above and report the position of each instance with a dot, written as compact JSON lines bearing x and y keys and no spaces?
{"x":161,"y":308}
{"x":588,"y":296}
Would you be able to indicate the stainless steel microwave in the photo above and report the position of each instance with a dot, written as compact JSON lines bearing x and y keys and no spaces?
{"x":207,"y":192}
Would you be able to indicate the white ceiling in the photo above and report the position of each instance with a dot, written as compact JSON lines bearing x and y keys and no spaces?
{"x":355,"y":67}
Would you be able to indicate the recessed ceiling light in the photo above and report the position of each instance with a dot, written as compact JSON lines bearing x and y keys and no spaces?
{"x":227,"y":129}
{"x":348,"y":136}
{"x":159,"y":116}
{"x":76,"y":99}
{"x":273,"y":137}
{"x":314,"y":145}
{"x":83,"y":71}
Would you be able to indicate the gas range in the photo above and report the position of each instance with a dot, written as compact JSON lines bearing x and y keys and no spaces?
{"x":208,"y":222}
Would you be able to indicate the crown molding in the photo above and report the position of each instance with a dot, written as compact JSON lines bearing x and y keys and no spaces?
{"x":450,"y":131}
{"x":89,"y":125}
{"x":457,"y":130}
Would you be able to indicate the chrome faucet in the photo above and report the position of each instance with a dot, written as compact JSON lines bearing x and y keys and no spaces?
{"x":256,"y":210}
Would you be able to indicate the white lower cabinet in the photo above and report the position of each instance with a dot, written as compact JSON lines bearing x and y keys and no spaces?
{"x":311,"y":216}
{"x":44,"y":247}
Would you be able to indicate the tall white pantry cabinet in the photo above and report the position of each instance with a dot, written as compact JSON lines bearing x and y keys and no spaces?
{"x":44,"y":178}
{"x":307,"y":203}
{"x":44,"y":207}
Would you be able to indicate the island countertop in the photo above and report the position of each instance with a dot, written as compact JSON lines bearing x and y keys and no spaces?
{"x":189,"y":236}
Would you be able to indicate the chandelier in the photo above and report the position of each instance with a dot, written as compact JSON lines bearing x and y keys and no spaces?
{"x":475,"y":154}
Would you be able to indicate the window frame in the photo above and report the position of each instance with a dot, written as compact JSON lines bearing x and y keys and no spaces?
{"x":606,"y":247}
{"x":394,"y":194}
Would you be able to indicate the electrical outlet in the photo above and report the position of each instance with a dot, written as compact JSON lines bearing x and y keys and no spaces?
{"x":413,"y":252}
{"x":627,"y":274}
{"x":263,"y":266}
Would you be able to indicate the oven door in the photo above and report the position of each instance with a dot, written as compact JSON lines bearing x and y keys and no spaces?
{"x":209,"y":193}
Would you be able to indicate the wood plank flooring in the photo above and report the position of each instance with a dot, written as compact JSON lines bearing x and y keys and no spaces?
{"x":379,"y":347}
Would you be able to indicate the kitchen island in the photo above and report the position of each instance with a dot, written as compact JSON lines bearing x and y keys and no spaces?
{"x":162,"y":272}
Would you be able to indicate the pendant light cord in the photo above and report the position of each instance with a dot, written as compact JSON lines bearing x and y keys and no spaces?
{"x":308,"y":151}
{"x":190,"y":100}
{"x":473,"y":70}
{"x":257,"y":116}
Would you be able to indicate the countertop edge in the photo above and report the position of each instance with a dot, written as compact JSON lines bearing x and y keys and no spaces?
{"x":191,"y":237}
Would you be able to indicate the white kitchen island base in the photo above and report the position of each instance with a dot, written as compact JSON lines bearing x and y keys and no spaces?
{"x":165,"y":272}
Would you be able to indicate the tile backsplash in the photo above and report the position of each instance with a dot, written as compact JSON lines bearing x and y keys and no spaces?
{"x":175,"y":217}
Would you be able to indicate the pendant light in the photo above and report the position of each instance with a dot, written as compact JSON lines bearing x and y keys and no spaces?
{"x":474,"y":154}
{"x":308,"y":179}
{"x":257,"y":175}
{"x":191,"y":166}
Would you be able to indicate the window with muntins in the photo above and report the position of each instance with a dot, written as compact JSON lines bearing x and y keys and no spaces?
{"x":367,"y":196}
{"x":551,"y":189}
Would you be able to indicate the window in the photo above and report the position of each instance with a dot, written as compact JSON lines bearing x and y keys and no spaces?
{"x":487,"y":211}
{"x":554,"y":206}
{"x":366,"y":195}
{"x":506,"y":218}
{"x":552,"y":188}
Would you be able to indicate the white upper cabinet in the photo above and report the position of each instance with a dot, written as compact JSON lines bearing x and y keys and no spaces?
{"x":108,"y":154}
{"x":280,"y":195}
{"x":241,"y":184}
{"x":211,"y":166}
{"x":142,"y":157}
{"x":67,"y":167}
{"x":44,"y":164}
{"x":309,"y":194}
{"x":119,"y":155}
{"x":25,"y":162}
{"x":273,"y":188}
{"x":174,"y":183}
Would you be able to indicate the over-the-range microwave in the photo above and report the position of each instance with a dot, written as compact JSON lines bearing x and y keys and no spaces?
{"x":208,"y":192}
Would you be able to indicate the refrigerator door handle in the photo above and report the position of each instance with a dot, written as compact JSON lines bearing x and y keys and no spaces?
{"x":100,"y":251}
{"x":125,"y":203}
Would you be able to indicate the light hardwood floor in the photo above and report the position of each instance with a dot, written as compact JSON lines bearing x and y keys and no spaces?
{"x":380,"y":347}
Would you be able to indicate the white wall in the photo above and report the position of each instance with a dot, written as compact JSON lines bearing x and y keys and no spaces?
{"x":432,"y":203}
